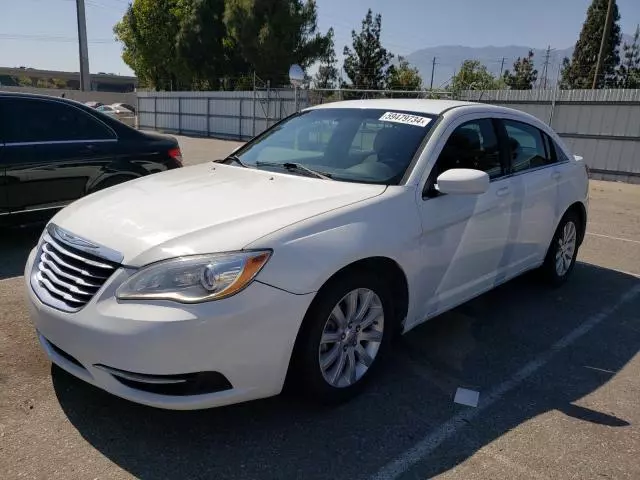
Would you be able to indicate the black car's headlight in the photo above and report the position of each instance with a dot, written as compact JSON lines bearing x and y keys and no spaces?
{"x":194,"y":279}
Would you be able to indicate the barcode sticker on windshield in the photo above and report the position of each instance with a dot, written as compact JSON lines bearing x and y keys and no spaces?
{"x":406,"y":119}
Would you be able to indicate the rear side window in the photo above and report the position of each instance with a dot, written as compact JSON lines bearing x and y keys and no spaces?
{"x":528,"y":147}
{"x":49,"y":121}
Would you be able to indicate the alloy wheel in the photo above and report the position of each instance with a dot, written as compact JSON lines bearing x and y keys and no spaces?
{"x":566,"y":248}
{"x":351,"y":338}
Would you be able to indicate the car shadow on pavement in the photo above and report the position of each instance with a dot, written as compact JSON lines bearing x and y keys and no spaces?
{"x":15,"y":245}
{"x":477,"y":346}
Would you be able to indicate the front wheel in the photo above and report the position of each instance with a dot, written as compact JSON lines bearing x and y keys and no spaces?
{"x":562,"y":253}
{"x":343,"y":337}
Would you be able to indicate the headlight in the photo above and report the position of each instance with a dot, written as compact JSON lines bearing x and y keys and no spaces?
{"x":195,"y":279}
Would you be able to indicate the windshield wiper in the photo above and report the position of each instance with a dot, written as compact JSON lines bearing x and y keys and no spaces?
{"x":295,"y":166}
{"x":233,"y":158}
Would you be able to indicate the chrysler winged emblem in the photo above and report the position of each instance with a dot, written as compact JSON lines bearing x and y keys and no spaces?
{"x":72,"y":239}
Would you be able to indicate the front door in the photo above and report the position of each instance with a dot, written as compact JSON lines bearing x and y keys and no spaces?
{"x":52,"y":151}
{"x":467,"y":238}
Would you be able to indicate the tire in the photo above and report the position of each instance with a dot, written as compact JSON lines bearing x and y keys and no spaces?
{"x":561,"y":256}
{"x":347,"y":341}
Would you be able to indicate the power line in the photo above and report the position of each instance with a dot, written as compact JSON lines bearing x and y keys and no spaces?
{"x":49,"y":38}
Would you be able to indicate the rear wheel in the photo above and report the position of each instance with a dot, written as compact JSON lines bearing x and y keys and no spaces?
{"x":562,"y":253}
{"x":344,"y":337}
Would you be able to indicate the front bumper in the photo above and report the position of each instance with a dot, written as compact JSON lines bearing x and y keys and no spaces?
{"x":247,"y":339}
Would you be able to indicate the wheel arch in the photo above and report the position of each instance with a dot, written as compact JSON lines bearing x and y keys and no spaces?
{"x":377,"y":265}
{"x":387,"y":268}
{"x":581,"y":211}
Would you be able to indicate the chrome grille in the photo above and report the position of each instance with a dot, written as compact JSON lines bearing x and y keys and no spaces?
{"x":67,"y":276}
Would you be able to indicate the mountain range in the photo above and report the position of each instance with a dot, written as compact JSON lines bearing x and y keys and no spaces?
{"x":450,"y":57}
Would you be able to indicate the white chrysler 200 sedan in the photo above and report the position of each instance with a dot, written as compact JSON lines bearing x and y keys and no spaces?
{"x":300,"y":256}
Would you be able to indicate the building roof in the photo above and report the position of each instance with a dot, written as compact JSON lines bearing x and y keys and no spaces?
{"x":96,"y":77}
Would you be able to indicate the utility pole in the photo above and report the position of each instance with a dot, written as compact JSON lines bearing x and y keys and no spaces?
{"x":85,"y":77}
{"x":603,"y":43}
{"x":502,"y":67}
{"x":545,"y":67}
{"x":433,"y":69}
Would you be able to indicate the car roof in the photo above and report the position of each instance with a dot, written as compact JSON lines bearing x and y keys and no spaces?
{"x":431,"y":107}
{"x":434,"y":107}
{"x":40,"y":96}
{"x":426,"y":106}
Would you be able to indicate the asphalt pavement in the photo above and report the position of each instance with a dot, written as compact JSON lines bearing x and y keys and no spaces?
{"x":558,"y":373}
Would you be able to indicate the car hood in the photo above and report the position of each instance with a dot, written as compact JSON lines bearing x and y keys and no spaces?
{"x":202,"y":209}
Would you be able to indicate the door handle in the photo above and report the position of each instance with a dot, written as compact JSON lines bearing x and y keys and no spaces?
{"x":556,"y":175}
{"x":502,"y":192}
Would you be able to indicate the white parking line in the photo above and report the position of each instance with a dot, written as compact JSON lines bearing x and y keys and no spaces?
{"x":436,"y":437}
{"x":613,"y":238}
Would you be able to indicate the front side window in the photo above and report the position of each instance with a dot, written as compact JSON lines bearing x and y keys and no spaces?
{"x":48,"y":121}
{"x":348,"y":144}
{"x":528,"y":147}
{"x":472,"y":145}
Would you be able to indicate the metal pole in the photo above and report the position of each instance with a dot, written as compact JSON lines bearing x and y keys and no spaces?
{"x":240,"y":121}
{"x":603,"y":43}
{"x":546,"y":66}
{"x":85,"y":76}
{"x":433,"y":69}
{"x":253,"y":133}
{"x":268,"y":101}
{"x":179,"y":115}
{"x":555,"y":96}
{"x":295,"y":94}
{"x":208,"y":117}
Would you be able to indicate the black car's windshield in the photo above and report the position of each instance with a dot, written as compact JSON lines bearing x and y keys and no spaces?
{"x":349,"y":144}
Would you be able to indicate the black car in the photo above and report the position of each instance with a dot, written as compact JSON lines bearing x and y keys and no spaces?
{"x":54,"y":151}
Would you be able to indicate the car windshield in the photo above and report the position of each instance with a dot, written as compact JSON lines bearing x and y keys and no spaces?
{"x":348,"y":144}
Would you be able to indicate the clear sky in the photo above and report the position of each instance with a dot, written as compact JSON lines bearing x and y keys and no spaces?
{"x":42,"y":33}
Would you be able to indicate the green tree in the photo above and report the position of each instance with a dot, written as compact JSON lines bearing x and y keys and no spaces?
{"x":524,"y":75}
{"x":580,"y":70}
{"x":271,"y":35}
{"x":25,"y":81}
{"x":148,"y":34}
{"x":629,"y":70}
{"x":328,"y":70}
{"x":367,"y":64}
{"x":204,"y":54}
{"x":473,"y":75}
{"x":403,"y":76}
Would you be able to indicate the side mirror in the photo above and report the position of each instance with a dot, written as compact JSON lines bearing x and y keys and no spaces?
{"x":463,"y":181}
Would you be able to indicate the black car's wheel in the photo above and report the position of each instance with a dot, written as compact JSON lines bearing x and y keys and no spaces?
{"x":344,"y":337}
{"x":562,"y":253}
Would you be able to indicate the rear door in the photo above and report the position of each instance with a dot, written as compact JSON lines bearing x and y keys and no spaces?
{"x":53,"y":151}
{"x":537,"y":178}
